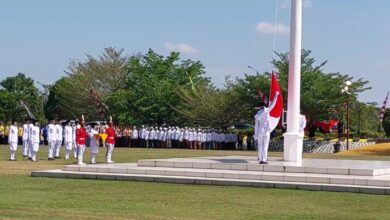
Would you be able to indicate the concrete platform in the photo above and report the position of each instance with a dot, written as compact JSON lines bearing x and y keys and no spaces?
{"x":308,"y":165}
{"x":312,"y":174}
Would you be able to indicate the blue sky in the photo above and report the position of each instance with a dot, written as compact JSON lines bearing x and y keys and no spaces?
{"x":40,"y":37}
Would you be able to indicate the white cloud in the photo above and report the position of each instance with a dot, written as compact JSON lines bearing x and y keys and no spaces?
{"x":181,"y":47}
{"x":268,"y":28}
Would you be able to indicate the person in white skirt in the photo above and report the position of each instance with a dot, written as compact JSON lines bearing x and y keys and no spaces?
{"x":68,"y":139}
{"x":58,"y":138}
{"x":13,"y":140}
{"x":94,"y":144}
{"x":51,"y":138}
{"x":75,"y":126}
{"x":25,"y":138}
{"x":35,"y":139}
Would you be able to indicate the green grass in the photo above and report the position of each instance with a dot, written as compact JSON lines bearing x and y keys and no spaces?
{"x":25,"y":197}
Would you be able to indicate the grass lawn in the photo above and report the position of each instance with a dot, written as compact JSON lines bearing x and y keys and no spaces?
{"x":25,"y":197}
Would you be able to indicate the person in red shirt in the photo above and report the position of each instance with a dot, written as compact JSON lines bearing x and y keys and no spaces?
{"x":110,"y":141}
{"x":81,"y":135}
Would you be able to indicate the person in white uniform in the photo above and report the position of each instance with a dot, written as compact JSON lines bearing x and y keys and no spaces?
{"x":186,"y":138}
{"x":74,"y":125}
{"x":94,"y":144}
{"x":152,"y":137}
{"x":134,"y":137}
{"x":163,"y":137}
{"x":13,"y":140}
{"x":302,"y":125}
{"x":35,"y":138}
{"x":263,"y":130}
{"x":147,"y":138}
{"x":25,"y":138}
{"x":51,"y":138}
{"x":29,"y":138}
{"x":58,"y":135}
{"x":68,"y":139}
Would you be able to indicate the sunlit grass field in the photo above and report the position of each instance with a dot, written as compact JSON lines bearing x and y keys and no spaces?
{"x":25,"y":197}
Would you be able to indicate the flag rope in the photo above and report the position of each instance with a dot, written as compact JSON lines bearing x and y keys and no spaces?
{"x":275,"y":29}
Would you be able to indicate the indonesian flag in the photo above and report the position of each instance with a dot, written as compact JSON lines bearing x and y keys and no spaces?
{"x":276,"y":112}
{"x":383,"y":109}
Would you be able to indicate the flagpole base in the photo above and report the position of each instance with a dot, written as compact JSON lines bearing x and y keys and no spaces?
{"x":293,"y":146}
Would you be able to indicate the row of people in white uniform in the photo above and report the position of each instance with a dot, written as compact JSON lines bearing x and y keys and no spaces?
{"x":57,"y":136}
{"x":31,"y":139}
{"x":179,"y":137}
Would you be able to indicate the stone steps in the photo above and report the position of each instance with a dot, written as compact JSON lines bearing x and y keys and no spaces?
{"x":383,"y":181}
{"x":212,"y":181}
{"x":312,"y":174}
{"x":318,"y":166}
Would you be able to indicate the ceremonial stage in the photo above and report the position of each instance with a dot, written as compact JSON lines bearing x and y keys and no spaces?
{"x":360,"y":176}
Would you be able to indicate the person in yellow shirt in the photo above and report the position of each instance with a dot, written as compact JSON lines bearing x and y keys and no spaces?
{"x":6,"y":134}
{"x":2,"y":130}
{"x":245,"y":142}
{"x":20,"y":135}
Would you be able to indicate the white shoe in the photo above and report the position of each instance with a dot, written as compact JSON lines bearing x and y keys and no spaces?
{"x":110,"y":161}
{"x":81,"y":163}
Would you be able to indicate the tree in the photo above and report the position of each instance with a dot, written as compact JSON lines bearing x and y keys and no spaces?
{"x":15,"y":89}
{"x":210,"y":107}
{"x":320,"y":91}
{"x":59,"y":100}
{"x":364,"y":119}
{"x":152,"y":84}
{"x":87,"y":84}
{"x":247,"y":88}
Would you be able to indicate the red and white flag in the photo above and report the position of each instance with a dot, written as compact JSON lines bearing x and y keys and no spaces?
{"x":383,"y":109}
{"x":276,"y":112}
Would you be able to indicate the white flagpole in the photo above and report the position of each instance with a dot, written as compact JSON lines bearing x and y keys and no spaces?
{"x":293,"y":142}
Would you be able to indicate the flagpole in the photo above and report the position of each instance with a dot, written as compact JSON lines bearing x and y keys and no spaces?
{"x":293,"y":142}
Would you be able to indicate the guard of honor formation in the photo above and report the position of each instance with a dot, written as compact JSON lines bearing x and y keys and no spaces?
{"x":75,"y":135}
{"x":176,"y":137}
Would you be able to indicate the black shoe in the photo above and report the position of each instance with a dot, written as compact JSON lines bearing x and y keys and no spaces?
{"x":24,"y":155}
{"x":263,"y":162}
{"x":57,"y":157}
{"x":30,"y":158}
{"x":50,"y":158}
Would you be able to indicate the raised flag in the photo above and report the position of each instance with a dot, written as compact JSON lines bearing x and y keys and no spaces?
{"x":277,"y":111}
{"x":383,"y":109}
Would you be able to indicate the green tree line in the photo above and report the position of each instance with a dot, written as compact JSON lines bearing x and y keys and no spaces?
{"x":153,"y":89}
